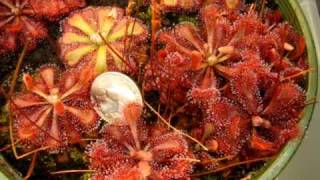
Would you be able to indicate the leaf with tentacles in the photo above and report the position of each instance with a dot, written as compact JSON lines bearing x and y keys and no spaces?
{"x":54,"y":109}
{"x":288,"y":55}
{"x":224,"y":127}
{"x":128,"y":150}
{"x":247,"y":81}
{"x":7,"y":42}
{"x":276,"y":124}
{"x":270,"y":141}
{"x":103,"y":38}
{"x":287,"y":102}
{"x":171,"y":75}
{"x":230,"y":127}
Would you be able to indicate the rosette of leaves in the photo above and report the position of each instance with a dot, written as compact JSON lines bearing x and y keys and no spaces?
{"x":129,"y":151}
{"x":20,"y":20}
{"x":273,"y":105}
{"x":102,"y":37}
{"x":203,"y":49}
{"x":277,"y":123}
{"x":288,"y":55}
{"x":54,"y":108}
{"x":224,"y":127}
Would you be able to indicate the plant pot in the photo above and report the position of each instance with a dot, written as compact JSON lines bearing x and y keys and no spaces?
{"x":293,"y":13}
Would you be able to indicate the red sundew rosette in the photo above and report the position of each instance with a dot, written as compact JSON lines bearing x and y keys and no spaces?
{"x":20,"y":20}
{"x":54,"y":109}
{"x":289,"y":55}
{"x":283,"y":113}
{"x":274,"y":107}
{"x":104,"y":38}
{"x":19,"y":26}
{"x":193,"y":52}
{"x":128,"y":150}
{"x":225,"y":128}
{"x":215,"y":41}
{"x":231,"y":127}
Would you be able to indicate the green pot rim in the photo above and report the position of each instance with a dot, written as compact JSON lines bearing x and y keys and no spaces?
{"x":292,"y":11}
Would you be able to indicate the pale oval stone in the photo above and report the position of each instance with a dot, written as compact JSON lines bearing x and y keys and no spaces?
{"x":110,"y":92}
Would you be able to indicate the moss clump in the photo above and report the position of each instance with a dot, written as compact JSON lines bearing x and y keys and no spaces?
{"x":171,"y":19}
{"x":85,"y":176}
{"x":77,"y":156}
{"x":48,"y":161}
{"x":188,"y":18}
{"x":3,"y":116}
{"x":145,"y":15}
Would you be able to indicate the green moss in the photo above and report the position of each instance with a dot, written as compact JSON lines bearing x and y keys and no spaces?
{"x":48,"y":161}
{"x":77,"y":156}
{"x":211,"y":177}
{"x":86,"y":176}
{"x":171,"y":19}
{"x":188,"y":18}
{"x":145,"y":15}
{"x":3,"y":115}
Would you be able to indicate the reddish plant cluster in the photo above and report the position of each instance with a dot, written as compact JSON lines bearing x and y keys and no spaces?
{"x":21,"y":20}
{"x":54,"y":109}
{"x":234,"y":82}
{"x":242,"y":73}
{"x":131,"y":150}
